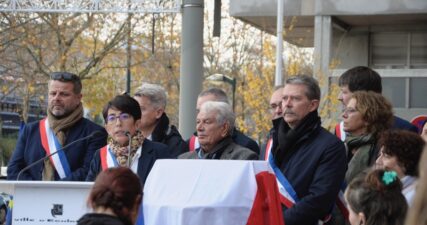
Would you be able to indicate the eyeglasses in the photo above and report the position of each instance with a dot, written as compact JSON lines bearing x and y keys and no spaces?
{"x":349,"y":110}
{"x":64,"y":76}
{"x":122,"y":117}
{"x":275,"y":106}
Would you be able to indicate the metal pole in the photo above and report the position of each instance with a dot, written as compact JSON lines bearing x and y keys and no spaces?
{"x":279,"y":49}
{"x":191,"y":72}
{"x":233,"y":84}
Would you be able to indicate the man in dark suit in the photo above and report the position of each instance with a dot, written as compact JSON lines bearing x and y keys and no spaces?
{"x":64,"y":124}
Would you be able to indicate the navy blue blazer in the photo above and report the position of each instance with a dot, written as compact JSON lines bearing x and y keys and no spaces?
{"x":150,"y":152}
{"x":79,"y":155}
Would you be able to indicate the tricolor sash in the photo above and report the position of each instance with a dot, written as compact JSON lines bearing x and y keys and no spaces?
{"x":194,"y":143}
{"x":108,"y":159}
{"x":339,"y":131}
{"x":51,"y":145}
{"x":288,"y":196}
{"x":268,"y":148}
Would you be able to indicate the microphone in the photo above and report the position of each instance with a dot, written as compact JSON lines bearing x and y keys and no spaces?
{"x":127,"y":133}
{"x":97,"y":132}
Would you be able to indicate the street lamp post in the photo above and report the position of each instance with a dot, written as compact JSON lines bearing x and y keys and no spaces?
{"x":227,"y":79}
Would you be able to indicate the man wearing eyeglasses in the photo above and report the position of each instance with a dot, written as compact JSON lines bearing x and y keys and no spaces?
{"x":276,"y":113}
{"x":64,"y":126}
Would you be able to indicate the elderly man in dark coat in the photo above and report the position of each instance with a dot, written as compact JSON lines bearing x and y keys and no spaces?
{"x":215,"y":124}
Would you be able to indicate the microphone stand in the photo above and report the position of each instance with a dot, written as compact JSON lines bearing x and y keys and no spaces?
{"x":127,"y":133}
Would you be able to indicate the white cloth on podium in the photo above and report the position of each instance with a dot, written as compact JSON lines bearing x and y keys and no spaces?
{"x":208,"y":192}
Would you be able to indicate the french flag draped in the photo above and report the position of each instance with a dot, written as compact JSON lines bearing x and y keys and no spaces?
{"x":211,"y":192}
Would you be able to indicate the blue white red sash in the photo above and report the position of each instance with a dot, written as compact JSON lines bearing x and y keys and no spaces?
{"x":194,"y":143}
{"x":268,"y":148}
{"x":108,"y":159}
{"x":339,"y":131}
{"x":288,"y":196}
{"x":51,"y":145}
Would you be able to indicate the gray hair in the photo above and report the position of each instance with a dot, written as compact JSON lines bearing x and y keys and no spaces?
{"x":155,"y":93}
{"x":219,"y":94}
{"x":224,"y":113}
{"x":311,"y":84}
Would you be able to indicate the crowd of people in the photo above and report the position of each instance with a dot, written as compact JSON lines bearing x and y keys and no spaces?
{"x":375,"y":158}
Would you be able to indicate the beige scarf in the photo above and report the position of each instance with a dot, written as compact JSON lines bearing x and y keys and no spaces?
{"x":60,"y":126}
{"x":121,"y":152}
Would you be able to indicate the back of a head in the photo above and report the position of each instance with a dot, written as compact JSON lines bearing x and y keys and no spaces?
{"x":378,"y":195}
{"x":219,"y":94}
{"x":155,"y":93}
{"x":361,"y":78}
{"x":118,"y":189}
{"x":311,"y":84}
{"x":417,"y":214}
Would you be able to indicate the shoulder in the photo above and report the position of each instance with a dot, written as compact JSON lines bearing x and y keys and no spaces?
{"x":235,"y":151}
{"x":324,"y":139}
{"x":400,"y":123}
{"x":90,"y":125}
{"x":243,"y":140}
{"x":154,"y":145}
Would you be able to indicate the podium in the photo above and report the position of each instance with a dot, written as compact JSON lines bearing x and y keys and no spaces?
{"x":47,"y":202}
{"x":211,"y":192}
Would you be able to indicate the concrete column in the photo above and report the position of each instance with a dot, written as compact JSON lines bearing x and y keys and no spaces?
{"x":322,"y":51}
{"x":191,"y":64}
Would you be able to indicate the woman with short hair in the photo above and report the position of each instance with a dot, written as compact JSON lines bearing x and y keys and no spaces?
{"x":122,"y":115}
{"x":400,"y":151}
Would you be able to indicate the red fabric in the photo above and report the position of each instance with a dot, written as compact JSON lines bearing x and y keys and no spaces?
{"x":266,"y":209}
{"x":342,"y":208}
{"x":43,"y":138}
{"x":103,"y":156}
{"x":268,"y":148}
{"x":192,"y":140}
{"x":338,"y":131}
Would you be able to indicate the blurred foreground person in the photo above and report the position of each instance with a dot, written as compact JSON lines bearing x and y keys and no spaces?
{"x":115,"y":198}
{"x":417,"y":214}
{"x":376,"y":199}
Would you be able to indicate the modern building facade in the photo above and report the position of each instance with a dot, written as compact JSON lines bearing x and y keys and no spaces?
{"x":389,"y":36}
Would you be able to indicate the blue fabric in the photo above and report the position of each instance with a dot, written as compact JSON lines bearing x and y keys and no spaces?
{"x":316,"y":171}
{"x":29,"y":149}
{"x":400,"y":123}
{"x":151,"y":151}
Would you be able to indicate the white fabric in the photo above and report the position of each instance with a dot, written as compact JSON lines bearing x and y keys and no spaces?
{"x":52,"y":149}
{"x":135,"y":160}
{"x":409,"y":185}
{"x":194,"y":192}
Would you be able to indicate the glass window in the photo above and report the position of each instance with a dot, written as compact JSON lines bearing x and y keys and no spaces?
{"x":419,"y":50}
{"x":394,"y":90}
{"x":418,"y":92}
{"x":389,"y":50}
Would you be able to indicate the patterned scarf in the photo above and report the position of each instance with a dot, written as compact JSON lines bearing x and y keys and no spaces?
{"x":121,"y":152}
